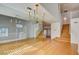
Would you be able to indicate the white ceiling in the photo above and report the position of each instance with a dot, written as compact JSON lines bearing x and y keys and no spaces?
{"x":51,"y":10}
{"x":72,"y":11}
{"x":18,"y":9}
{"x":22,"y":7}
{"x":69,"y":6}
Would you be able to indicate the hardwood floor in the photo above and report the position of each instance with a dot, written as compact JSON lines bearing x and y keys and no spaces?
{"x":41,"y":45}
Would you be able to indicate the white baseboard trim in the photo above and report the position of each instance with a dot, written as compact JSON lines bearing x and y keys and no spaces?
{"x":7,"y":41}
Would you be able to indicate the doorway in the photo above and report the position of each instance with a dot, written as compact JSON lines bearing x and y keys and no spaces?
{"x":47,"y":30}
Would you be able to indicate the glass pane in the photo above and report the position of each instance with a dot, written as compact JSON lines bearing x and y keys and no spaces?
{"x":19,"y":25}
{"x":3,"y":32}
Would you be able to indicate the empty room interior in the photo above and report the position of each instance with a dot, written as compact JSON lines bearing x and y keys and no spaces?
{"x":39,"y":28}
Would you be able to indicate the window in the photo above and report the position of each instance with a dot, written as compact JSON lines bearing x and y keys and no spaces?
{"x":19,"y":25}
{"x":19,"y":29}
{"x":3,"y":32}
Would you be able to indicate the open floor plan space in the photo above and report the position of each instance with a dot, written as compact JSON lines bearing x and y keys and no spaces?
{"x":39,"y":29}
{"x":41,"y":45}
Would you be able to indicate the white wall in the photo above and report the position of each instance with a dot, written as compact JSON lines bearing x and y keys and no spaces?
{"x":55,"y":30}
{"x":74,"y":28}
{"x":33,"y":29}
{"x":54,"y":10}
{"x":5,"y":22}
{"x":30,"y":29}
{"x":4,"y":10}
{"x":67,"y":15}
{"x":56,"y":23}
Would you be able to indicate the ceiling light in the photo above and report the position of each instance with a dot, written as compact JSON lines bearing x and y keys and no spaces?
{"x":65,"y":18}
{"x":29,"y":8}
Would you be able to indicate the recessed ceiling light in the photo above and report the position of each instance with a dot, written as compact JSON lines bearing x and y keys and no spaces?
{"x":65,"y":18}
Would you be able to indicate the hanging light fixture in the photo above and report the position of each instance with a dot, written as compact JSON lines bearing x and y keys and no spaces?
{"x":36,"y":12}
{"x":29,"y":11}
{"x":36,"y":8}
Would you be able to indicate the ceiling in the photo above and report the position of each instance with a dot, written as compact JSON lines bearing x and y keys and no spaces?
{"x":51,"y":10}
{"x":22,"y":7}
{"x":20,"y":10}
{"x":69,"y":6}
{"x":69,"y":10}
{"x":54,"y":10}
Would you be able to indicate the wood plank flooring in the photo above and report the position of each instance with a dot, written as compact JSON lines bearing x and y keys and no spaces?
{"x":41,"y":45}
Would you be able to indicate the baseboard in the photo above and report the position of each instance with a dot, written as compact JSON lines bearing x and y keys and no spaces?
{"x":7,"y":41}
{"x":75,"y":46}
